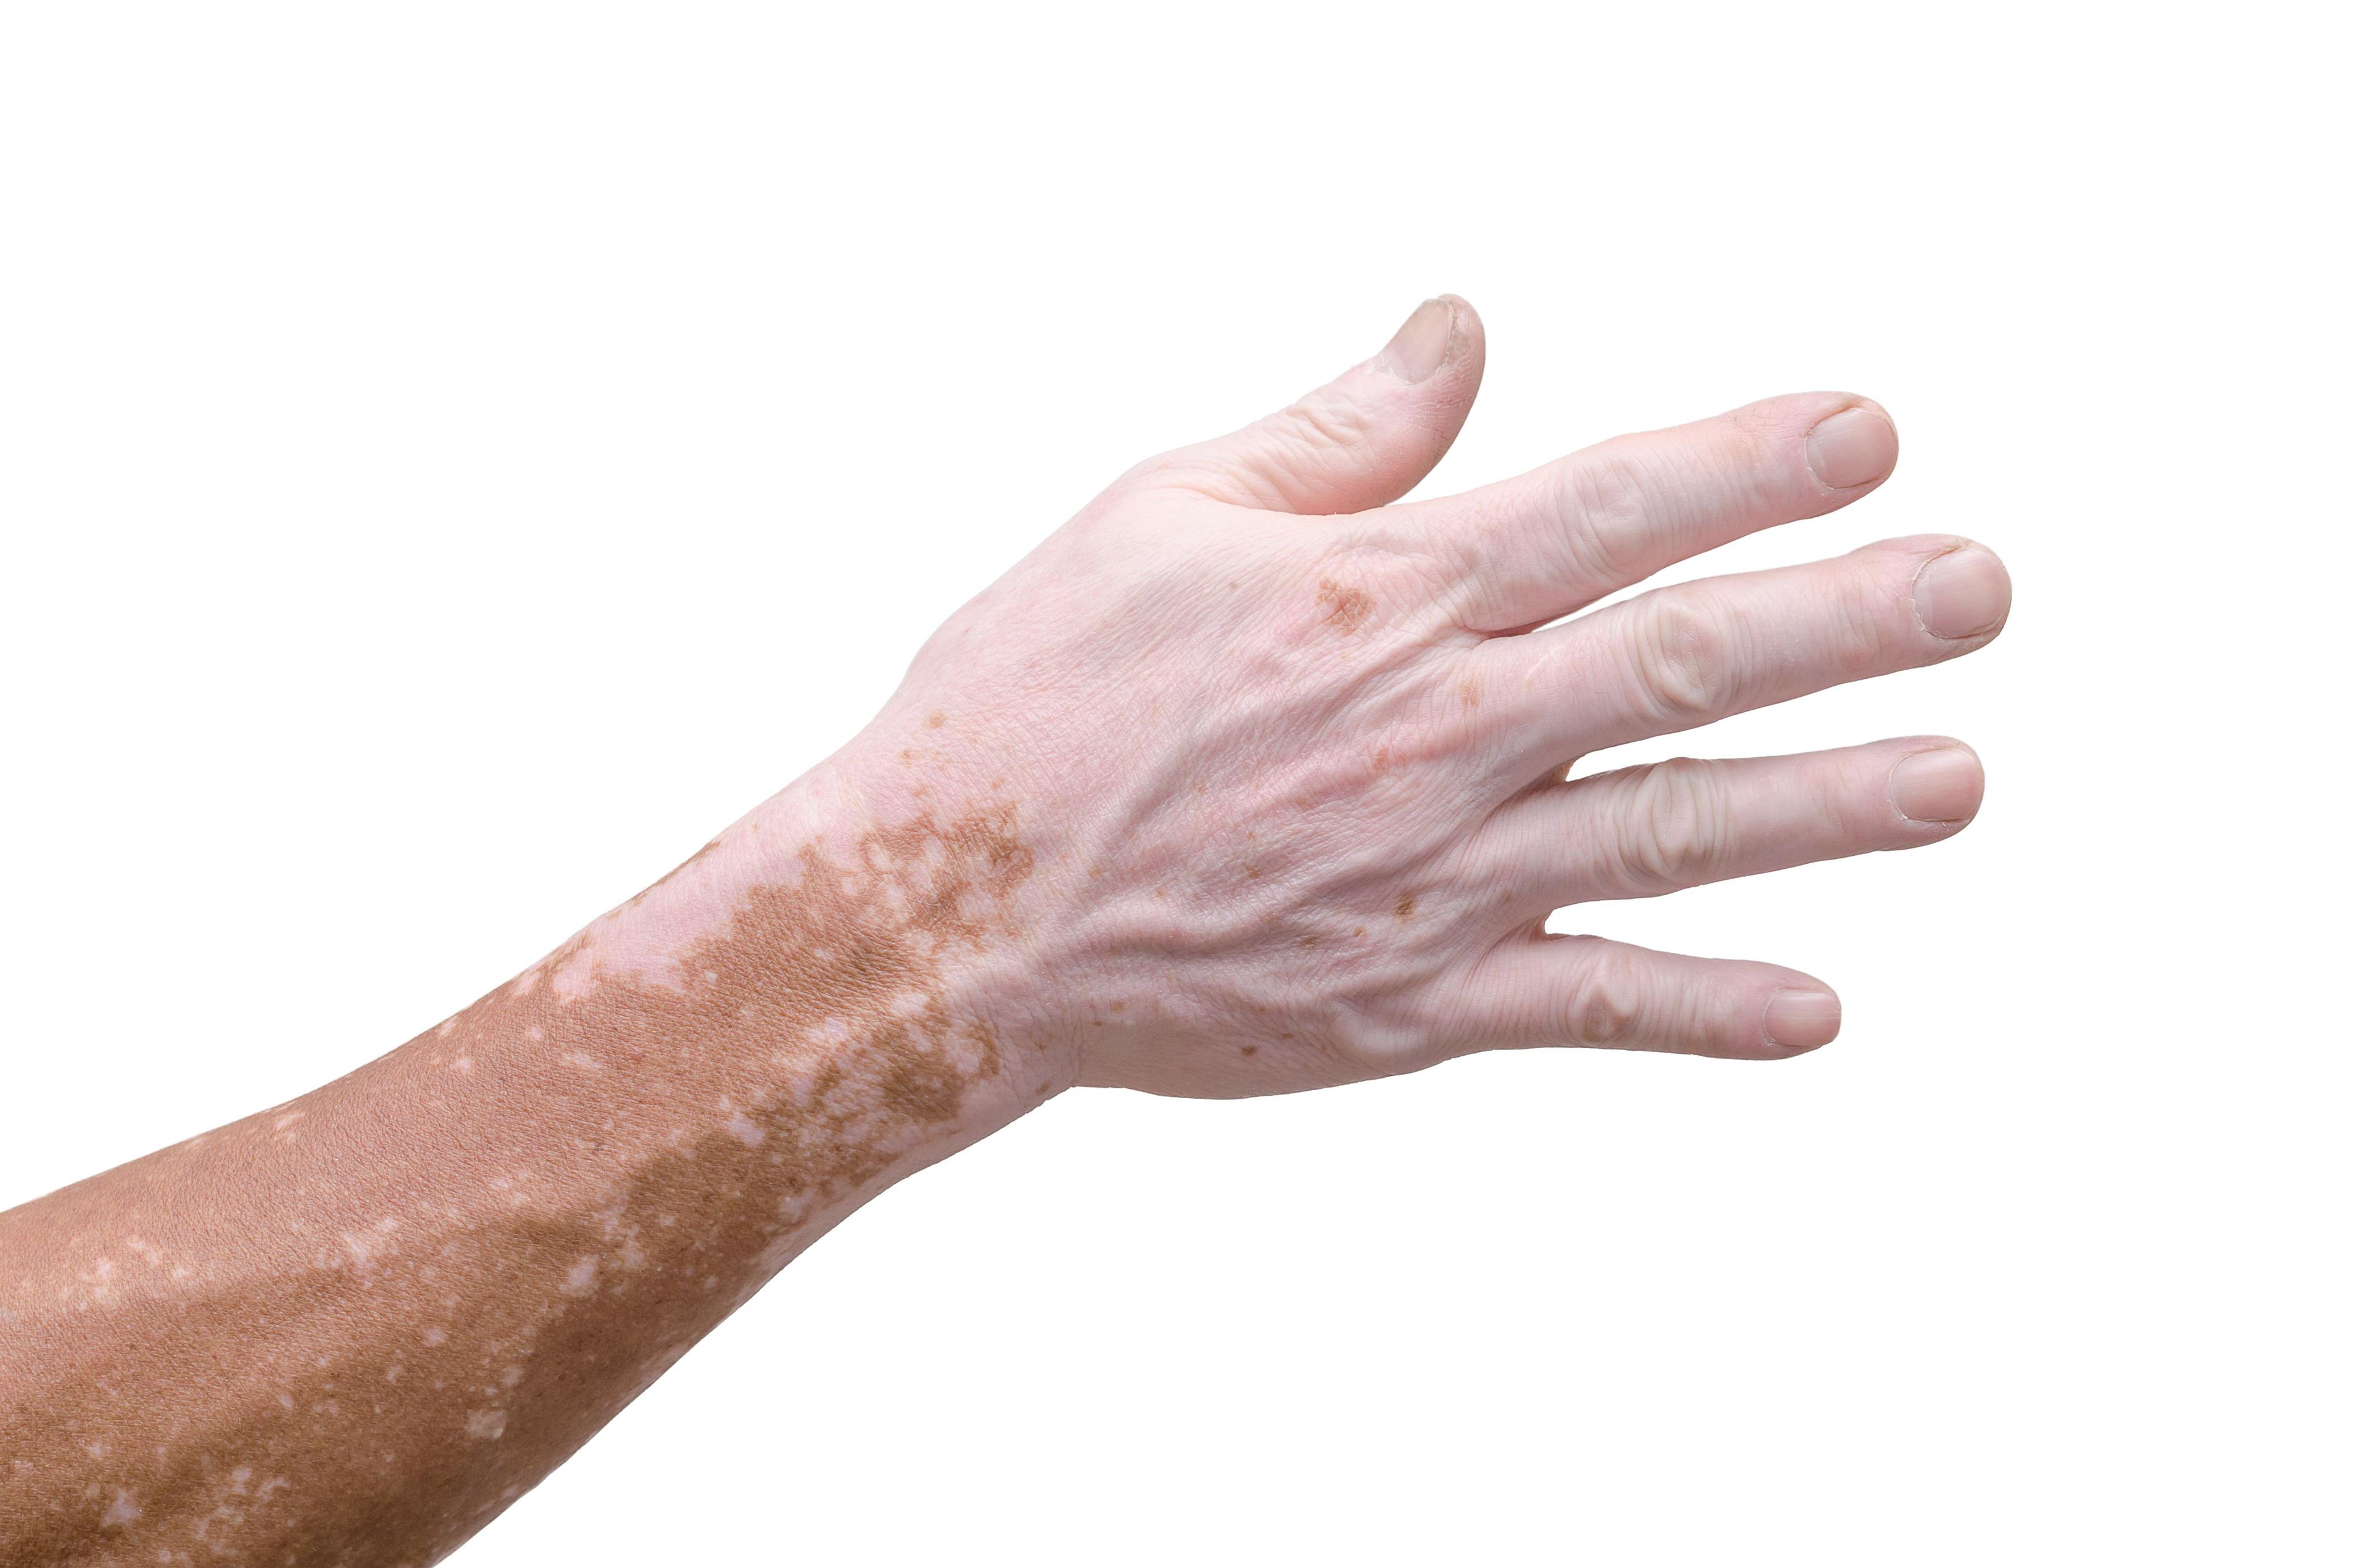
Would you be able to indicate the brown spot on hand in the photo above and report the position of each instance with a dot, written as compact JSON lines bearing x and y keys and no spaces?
{"x":1406,"y":906}
{"x":1345,"y":608}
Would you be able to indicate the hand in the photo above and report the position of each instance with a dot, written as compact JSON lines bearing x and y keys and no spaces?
{"x":1246,"y":781}
{"x":1291,"y":760}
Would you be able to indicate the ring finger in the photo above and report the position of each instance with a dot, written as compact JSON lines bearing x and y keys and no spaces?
{"x":1641,"y":832}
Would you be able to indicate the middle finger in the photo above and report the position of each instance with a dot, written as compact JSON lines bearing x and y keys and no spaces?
{"x":1687,"y":655}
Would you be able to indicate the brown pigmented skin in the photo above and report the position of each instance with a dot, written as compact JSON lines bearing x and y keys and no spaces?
{"x":622,"y":1159}
{"x":1345,"y":608}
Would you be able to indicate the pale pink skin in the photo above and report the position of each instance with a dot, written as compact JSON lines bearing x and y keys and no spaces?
{"x":1288,"y":764}
{"x":1244,"y":701}
{"x":1170,"y":685}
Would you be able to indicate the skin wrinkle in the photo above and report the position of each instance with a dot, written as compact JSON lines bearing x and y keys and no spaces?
{"x":1345,"y":608}
{"x":381,"y":1380}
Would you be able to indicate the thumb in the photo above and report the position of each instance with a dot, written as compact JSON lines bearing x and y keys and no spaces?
{"x":1362,"y":440}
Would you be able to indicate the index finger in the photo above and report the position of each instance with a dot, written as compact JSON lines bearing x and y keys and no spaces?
{"x":1558,"y":537}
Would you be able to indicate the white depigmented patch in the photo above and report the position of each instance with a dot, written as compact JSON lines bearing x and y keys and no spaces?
{"x":748,"y":1132}
{"x":120,"y":1511}
{"x":239,"y":1478}
{"x":463,"y":1065}
{"x":487,"y":1425}
{"x":578,"y":1059}
{"x":511,"y":1376}
{"x":434,"y":1336}
{"x":583,"y":1278}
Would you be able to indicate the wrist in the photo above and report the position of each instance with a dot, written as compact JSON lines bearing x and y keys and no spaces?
{"x":854,"y":954}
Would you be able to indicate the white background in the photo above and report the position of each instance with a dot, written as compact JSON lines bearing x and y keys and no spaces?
{"x":453,"y":459}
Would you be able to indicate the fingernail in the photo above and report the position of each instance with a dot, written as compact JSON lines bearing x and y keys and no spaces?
{"x":1420,"y":346}
{"x":1962,"y":592}
{"x":1940,"y":785}
{"x":1796,"y":1021}
{"x":1856,"y":447}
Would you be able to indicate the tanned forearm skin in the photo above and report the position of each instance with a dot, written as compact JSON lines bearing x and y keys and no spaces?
{"x":1246,"y":781}
{"x":354,"y":1327}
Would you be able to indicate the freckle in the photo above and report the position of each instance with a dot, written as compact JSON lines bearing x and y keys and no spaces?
{"x":1358,"y":932}
{"x":1406,"y":906}
{"x":1344,"y":608}
{"x":1309,"y":940}
{"x":1253,"y":870}
{"x":937,"y":720}
{"x":1249,"y":1050}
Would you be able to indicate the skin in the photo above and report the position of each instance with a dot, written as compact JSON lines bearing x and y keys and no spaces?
{"x":352,"y":1328}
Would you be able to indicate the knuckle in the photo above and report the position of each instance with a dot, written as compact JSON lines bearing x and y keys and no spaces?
{"x":1607,"y":1006}
{"x":1865,"y":621}
{"x":1324,"y":424}
{"x":1683,"y":659}
{"x":1677,"y":830}
{"x":1604,"y":505}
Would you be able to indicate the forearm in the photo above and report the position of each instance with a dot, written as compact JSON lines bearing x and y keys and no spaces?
{"x":356,"y":1327}
{"x":1200,"y":799}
